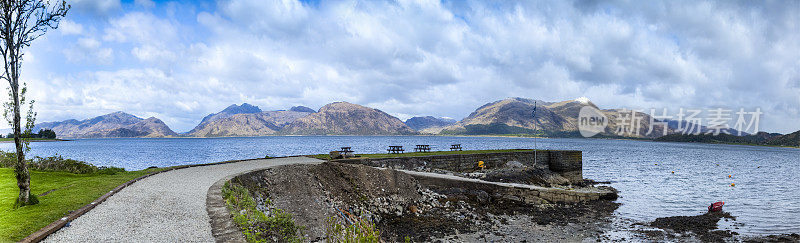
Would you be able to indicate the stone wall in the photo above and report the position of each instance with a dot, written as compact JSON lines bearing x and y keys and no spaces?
{"x":567,"y":163}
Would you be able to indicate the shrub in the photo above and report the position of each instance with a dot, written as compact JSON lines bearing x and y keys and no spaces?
{"x":7,"y":159}
{"x":57,"y":163}
{"x":360,"y":231}
{"x":109,"y":170}
{"x":256,"y":225}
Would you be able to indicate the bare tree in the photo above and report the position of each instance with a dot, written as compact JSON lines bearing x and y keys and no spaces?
{"x":21,"y":22}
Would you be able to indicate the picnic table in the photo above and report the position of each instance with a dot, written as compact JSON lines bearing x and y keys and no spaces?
{"x":346,"y":151}
{"x":422,"y":148}
{"x":455,"y":147}
{"x":395,"y":149}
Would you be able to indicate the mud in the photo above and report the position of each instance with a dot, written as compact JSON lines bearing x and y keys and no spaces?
{"x":699,"y":224}
{"x":774,"y":238}
{"x":700,"y":227}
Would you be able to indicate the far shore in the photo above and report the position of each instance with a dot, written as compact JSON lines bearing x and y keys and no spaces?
{"x":33,"y":140}
{"x":8,"y":140}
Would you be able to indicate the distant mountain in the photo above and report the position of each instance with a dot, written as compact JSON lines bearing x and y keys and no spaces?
{"x":113,"y":125}
{"x":250,"y":124}
{"x":227,"y":112}
{"x":515,"y":116}
{"x":711,"y":138}
{"x":302,"y":109}
{"x":760,"y":138}
{"x":342,"y":118}
{"x":791,"y":139}
{"x":679,"y":126}
{"x":765,"y":136}
{"x":421,"y":123}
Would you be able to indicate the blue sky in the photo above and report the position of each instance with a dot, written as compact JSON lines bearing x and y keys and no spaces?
{"x":179,"y":61}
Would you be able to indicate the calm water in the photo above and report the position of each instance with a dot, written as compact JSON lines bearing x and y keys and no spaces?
{"x":765,"y":198}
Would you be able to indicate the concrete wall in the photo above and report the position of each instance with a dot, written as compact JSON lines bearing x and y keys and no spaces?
{"x":519,"y":193}
{"x":567,"y":163}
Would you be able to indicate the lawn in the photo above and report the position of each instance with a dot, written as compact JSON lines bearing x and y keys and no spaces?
{"x":72,"y":192}
{"x":379,"y":156}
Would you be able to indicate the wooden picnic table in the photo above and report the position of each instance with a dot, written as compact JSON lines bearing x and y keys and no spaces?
{"x":455,"y":147}
{"x":395,"y":149}
{"x":346,"y":151}
{"x":422,"y":148}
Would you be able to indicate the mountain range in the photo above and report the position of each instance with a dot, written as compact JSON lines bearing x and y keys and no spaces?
{"x":558,"y":119}
{"x":429,"y":124}
{"x":507,"y":116}
{"x":113,"y":125}
{"x":342,"y":118}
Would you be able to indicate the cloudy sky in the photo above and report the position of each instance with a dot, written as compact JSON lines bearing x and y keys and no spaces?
{"x":179,"y":61}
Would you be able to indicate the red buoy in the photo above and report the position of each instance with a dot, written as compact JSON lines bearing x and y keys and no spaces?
{"x":715,"y":207}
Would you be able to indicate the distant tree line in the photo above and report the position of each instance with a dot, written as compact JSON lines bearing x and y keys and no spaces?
{"x":43,"y":133}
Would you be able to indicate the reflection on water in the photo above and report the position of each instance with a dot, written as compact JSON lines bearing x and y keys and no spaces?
{"x":764,"y":198}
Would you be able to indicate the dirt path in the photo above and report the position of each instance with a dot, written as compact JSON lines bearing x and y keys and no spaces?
{"x":167,"y":207}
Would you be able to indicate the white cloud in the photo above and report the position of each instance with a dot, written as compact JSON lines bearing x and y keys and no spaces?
{"x":140,"y":27}
{"x":89,"y":50}
{"x":437,"y":58}
{"x":154,"y":41}
{"x":68,"y":27}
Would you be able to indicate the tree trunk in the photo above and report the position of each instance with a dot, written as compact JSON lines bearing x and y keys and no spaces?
{"x":21,"y":168}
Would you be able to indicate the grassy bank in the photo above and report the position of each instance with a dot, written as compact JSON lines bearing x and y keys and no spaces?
{"x":69,"y":192}
{"x":276,"y":226}
{"x":412,"y":154}
{"x":32,"y":139}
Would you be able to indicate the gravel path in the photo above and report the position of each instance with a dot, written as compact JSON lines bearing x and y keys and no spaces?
{"x":167,"y":207}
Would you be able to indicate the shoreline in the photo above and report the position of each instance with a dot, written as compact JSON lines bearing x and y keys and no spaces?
{"x":38,"y":140}
{"x":425,"y":135}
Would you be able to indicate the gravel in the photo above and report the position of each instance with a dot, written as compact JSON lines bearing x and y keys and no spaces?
{"x":167,"y":207}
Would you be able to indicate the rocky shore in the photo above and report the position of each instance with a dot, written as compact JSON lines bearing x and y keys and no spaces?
{"x":402,"y":207}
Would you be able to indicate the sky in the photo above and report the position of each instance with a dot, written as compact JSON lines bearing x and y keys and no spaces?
{"x":179,"y":61}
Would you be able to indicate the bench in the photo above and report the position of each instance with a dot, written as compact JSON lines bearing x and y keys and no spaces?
{"x":395,"y":149}
{"x":422,"y":148}
{"x":346,"y":152}
{"x":455,"y":147}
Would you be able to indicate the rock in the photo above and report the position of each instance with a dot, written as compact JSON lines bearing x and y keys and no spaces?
{"x":514,"y":164}
{"x":482,"y":196}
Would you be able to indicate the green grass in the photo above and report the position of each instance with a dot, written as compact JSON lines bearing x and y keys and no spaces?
{"x":414,"y":154}
{"x":257,"y":226}
{"x":361,"y":231}
{"x":72,"y":192}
